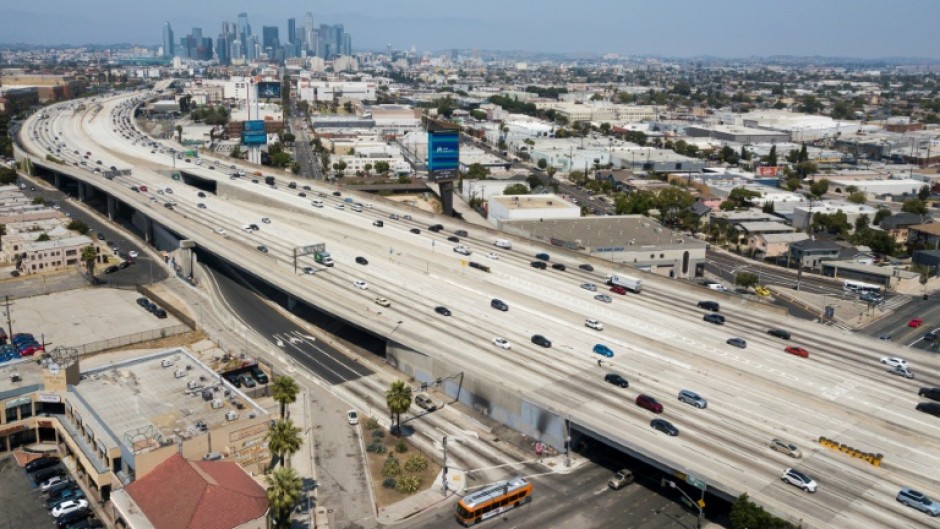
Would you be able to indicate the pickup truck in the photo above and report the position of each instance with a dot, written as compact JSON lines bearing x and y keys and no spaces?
{"x":621,"y":479}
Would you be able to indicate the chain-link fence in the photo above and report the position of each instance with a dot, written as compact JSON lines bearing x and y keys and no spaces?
{"x":131,"y":339}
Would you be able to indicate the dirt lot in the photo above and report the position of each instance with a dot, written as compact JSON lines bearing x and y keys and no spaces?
{"x":386,"y":496}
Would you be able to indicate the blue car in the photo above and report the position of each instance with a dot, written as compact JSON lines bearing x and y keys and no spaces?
{"x":602,"y":349}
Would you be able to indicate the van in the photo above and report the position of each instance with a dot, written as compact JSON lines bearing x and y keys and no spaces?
{"x":717,"y":286}
{"x":317,"y":203}
{"x":503,"y":243}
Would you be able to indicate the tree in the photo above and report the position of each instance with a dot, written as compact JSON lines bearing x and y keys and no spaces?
{"x":477,"y":171}
{"x":803,"y":156}
{"x":283,"y":439}
{"x":7,"y":176}
{"x":882,"y":243}
{"x":542,"y":163}
{"x":768,"y":207}
{"x":284,"y":489}
{"x":89,"y":256}
{"x":772,"y":156}
{"x":880,"y":215}
{"x":741,"y":198}
{"x":915,"y":206}
{"x":398,"y":399}
{"x":551,"y":171}
{"x":516,"y":189}
{"x":347,"y":106}
{"x":179,"y":133}
{"x":236,"y":152}
{"x":819,"y":188}
{"x":43,"y":237}
{"x":728,"y":155}
{"x":923,"y":193}
{"x":748,"y":515}
{"x":793,"y":183}
{"x":862,"y":223}
{"x":671,"y":201}
{"x":284,"y":390}
{"x":39,"y":200}
{"x":746,"y":280}
{"x":638,"y":203}
{"x":381,"y":167}
{"x":367,"y":168}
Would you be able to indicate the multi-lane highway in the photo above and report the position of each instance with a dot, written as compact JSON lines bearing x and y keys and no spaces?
{"x":660,"y":342}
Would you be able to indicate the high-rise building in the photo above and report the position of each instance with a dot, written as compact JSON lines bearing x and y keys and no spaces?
{"x":168,"y":43}
{"x":347,"y":44}
{"x":244,"y":31}
{"x":270,"y":37}
{"x":309,"y":37}
{"x":292,"y":30}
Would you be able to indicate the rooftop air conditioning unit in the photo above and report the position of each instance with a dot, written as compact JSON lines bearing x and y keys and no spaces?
{"x":217,"y":403}
{"x":193,"y":384}
{"x":179,"y":373}
{"x":231,"y":415}
{"x":166,"y":362}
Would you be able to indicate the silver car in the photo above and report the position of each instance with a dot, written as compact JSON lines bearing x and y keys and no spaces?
{"x":919,"y":501}
{"x":785,"y":447}
{"x":690,"y":397}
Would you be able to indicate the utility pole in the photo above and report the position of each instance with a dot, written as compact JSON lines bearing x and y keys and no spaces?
{"x":444,"y":472}
{"x":6,"y":306}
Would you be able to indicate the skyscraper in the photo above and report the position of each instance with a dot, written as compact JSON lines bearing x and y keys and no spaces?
{"x":292,"y":30}
{"x":168,"y":43}
{"x":244,"y":31}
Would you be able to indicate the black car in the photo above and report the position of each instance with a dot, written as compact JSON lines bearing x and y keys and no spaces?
{"x":111,"y":269}
{"x":461,"y":233}
{"x":542,"y":256}
{"x":586,"y":267}
{"x":362,"y":260}
{"x":415,"y":230}
{"x":664,"y":426}
{"x":160,"y":313}
{"x":70,"y":518}
{"x":931,"y":336}
{"x":337,"y":194}
{"x":932,"y":408}
{"x":779,"y":333}
{"x":235,"y":380}
{"x":499,"y":304}
{"x":709,"y":305}
{"x":263,"y":249}
{"x":930,"y":393}
{"x":100,"y":237}
{"x":302,"y":194}
{"x":87,"y":523}
{"x":538,"y":339}
{"x":47,"y":473}
{"x":558,"y":266}
{"x":737,"y":342}
{"x":538,"y":264}
{"x":453,"y":239}
{"x":436,"y":227}
{"x":443,"y":311}
{"x":201,"y":194}
{"x":41,"y":463}
{"x":259,"y":375}
{"x":617,"y":380}
{"x":124,"y":264}
{"x":717,"y":319}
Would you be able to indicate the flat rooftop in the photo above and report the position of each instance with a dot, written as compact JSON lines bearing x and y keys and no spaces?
{"x":29,"y":373}
{"x":629,"y":231}
{"x":533,"y":202}
{"x":138,"y":398}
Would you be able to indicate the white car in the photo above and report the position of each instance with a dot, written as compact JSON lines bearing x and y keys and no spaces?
{"x":352,"y":417}
{"x":309,"y":270}
{"x":368,"y":205}
{"x":382,"y":302}
{"x":265,"y":220}
{"x":798,"y":479}
{"x":492,"y":255}
{"x":893,"y":361}
{"x":69,"y":506}
{"x":462,"y":250}
{"x":133,"y":254}
{"x":594,"y":324}
{"x":361,"y":285}
{"x":502,"y":343}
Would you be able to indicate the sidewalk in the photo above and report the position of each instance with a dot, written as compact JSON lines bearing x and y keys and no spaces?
{"x":848,"y":311}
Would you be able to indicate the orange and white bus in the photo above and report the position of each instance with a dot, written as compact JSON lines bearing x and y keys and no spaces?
{"x":493,"y":500}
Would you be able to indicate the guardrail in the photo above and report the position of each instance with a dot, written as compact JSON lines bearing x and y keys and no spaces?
{"x":872,"y":458}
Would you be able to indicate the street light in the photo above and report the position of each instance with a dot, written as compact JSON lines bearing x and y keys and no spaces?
{"x":672,"y":484}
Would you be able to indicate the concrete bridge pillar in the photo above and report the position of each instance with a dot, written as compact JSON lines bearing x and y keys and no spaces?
{"x":81,"y":191}
{"x":112,"y":207}
{"x":291,"y":302}
{"x":57,"y":180}
{"x":148,"y":230}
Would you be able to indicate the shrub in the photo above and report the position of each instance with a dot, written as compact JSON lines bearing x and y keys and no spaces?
{"x":372,"y":424}
{"x":401,"y":446}
{"x":389,"y":483}
{"x":391,"y":467}
{"x":416,"y":463}
{"x":378,"y":434}
{"x":376,"y":447}
{"x":408,"y":485}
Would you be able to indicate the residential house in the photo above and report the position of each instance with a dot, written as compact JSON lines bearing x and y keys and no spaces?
{"x":924,"y":236}
{"x":810,"y":253}
{"x":773,"y":245}
{"x":897,"y":225}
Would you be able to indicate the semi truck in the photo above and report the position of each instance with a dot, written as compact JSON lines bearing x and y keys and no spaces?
{"x":627,"y":282}
{"x":323,"y":257}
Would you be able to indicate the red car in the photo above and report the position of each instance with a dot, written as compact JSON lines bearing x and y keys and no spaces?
{"x":798,"y":351}
{"x":915,"y":323}
{"x":645,"y":401}
{"x":617,"y":289}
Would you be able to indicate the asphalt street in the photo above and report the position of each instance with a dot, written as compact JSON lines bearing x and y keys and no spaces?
{"x":323,"y":360}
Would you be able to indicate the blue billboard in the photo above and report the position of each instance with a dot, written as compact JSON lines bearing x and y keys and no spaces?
{"x":443,"y":154}
{"x":253,"y":133}
{"x":269,"y":90}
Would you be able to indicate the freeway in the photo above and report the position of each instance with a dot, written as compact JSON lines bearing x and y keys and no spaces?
{"x":660,"y":342}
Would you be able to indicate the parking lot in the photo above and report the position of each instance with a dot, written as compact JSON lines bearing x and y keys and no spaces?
{"x":23,"y":505}
{"x":79,"y":317}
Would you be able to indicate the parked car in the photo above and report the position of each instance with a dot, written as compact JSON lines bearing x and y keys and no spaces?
{"x":41,"y":463}
{"x":649,"y":403}
{"x":51,"y":482}
{"x":69,"y":506}
{"x":247,"y":381}
{"x":258,"y":374}
{"x":352,"y":417}
{"x":64,"y":521}
{"x":71,"y":493}
{"x":664,"y":426}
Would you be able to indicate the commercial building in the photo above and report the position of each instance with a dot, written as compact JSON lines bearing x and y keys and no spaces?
{"x":803,"y":216}
{"x":736,"y":134}
{"x":120,"y":422}
{"x":771,"y":245}
{"x":502,"y":208}
{"x":632,"y":240}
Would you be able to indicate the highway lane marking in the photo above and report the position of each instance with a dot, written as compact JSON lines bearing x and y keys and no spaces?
{"x":319,"y":362}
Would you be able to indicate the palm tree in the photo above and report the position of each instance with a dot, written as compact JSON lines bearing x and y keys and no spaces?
{"x":179,"y":133}
{"x":398,"y":399}
{"x":283,"y":439}
{"x":285,"y":392}
{"x":284,"y":489}
{"x":89,"y":256}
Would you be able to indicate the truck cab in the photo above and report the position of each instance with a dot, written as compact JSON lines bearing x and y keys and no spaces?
{"x":323,"y":258}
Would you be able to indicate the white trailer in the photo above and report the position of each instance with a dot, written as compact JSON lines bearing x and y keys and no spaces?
{"x":630,"y":283}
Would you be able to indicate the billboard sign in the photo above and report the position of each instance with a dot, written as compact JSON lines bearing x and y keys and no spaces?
{"x":253,"y":133}
{"x":269,"y":90}
{"x":772,"y":170}
{"x":443,"y":155}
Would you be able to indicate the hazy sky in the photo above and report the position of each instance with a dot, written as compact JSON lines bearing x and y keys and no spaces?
{"x":727,"y":28}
